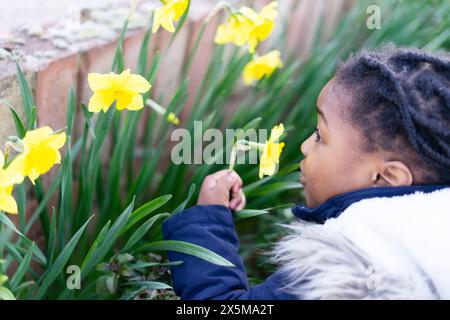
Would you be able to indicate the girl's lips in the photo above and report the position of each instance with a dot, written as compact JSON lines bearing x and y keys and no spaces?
{"x":302,"y":175}
{"x":303,"y":180}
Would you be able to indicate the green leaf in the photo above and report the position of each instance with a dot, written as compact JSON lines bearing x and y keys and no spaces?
{"x":108,"y":241}
{"x":37,"y":252}
{"x":51,"y":238}
{"x":97,"y":241}
{"x":42,"y":204}
{"x":32,"y":122}
{"x":101,"y":130}
{"x":253,"y":124}
{"x":23,"y":286}
{"x":71,"y":106}
{"x":27,"y":96}
{"x":275,"y":187}
{"x":88,"y":119}
{"x":186,"y":201}
{"x":65,"y":196}
{"x":148,"y":284}
{"x":143,"y":265}
{"x":20,"y":127}
{"x":143,"y":51}
{"x":118,"y":61}
{"x":22,"y":269}
{"x":146,"y":209}
{"x":142,"y":230}
{"x":56,"y":268}
{"x":249,"y":213}
{"x":21,"y":192}
{"x":188,"y":248}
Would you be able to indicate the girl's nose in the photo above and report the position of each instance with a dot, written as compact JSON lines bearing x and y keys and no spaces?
{"x":306,"y":145}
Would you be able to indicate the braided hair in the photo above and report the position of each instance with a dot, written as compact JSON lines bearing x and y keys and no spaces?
{"x":401,"y":104}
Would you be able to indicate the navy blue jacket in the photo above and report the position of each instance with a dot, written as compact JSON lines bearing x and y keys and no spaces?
{"x":212,"y":227}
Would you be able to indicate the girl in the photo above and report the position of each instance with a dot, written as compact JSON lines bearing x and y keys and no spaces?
{"x":376,"y":175}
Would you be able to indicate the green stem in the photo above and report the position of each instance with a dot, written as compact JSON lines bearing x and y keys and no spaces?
{"x":245,"y":146}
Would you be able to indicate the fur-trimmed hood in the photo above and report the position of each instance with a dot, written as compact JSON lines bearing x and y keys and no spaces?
{"x":382,"y":247}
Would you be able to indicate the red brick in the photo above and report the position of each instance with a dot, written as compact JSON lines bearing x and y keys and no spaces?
{"x":132,"y":46}
{"x":202,"y":57}
{"x":171,"y":63}
{"x":52,"y":86}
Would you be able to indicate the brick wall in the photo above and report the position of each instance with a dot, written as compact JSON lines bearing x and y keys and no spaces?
{"x":60,"y":55}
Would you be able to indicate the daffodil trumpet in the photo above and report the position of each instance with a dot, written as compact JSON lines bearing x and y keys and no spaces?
{"x":170,"y":116}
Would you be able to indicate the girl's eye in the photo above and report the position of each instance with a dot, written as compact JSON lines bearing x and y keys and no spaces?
{"x":317,"y":133}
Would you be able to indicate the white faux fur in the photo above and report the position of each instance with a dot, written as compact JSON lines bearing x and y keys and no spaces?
{"x":378,"y":248}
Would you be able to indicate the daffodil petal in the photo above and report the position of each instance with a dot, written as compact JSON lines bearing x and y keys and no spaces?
{"x":99,"y":81}
{"x":34,"y":136}
{"x":137,"y":83}
{"x":167,"y":21}
{"x":57,"y":141}
{"x":98,"y":103}
{"x":249,"y":13}
{"x":7,"y":201}
{"x":43,"y":158}
{"x":2,"y":160}
{"x":276,"y":132}
{"x":33,"y":175}
{"x":10,"y":176}
{"x":180,"y":7}
{"x":136,"y":103}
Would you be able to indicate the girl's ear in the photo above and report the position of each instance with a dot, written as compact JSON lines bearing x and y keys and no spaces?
{"x":393,"y":173}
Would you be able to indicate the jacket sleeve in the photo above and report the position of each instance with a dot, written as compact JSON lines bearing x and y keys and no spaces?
{"x":212,"y":227}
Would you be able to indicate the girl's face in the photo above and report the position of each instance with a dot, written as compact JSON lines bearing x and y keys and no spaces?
{"x":333,"y":163}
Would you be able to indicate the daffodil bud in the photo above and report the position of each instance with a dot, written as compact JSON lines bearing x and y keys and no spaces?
{"x":171,"y":117}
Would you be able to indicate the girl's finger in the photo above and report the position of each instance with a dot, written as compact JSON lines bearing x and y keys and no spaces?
{"x":234,"y":203}
{"x":242,"y":201}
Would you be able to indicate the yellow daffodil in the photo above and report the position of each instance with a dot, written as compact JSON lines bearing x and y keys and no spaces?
{"x":124,"y":88}
{"x":262,"y":26}
{"x":262,"y":66}
{"x":41,"y":152}
{"x":271,"y":152}
{"x":247,"y":26}
{"x":8,"y":177}
{"x":236,"y":30}
{"x":171,"y":12}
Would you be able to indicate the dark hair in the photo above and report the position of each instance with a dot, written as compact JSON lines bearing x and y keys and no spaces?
{"x":401,"y":103}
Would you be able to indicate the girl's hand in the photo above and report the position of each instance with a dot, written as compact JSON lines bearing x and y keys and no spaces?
{"x":223,"y":188}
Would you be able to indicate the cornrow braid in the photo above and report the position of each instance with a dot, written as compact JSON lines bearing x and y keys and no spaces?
{"x":401,"y":104}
